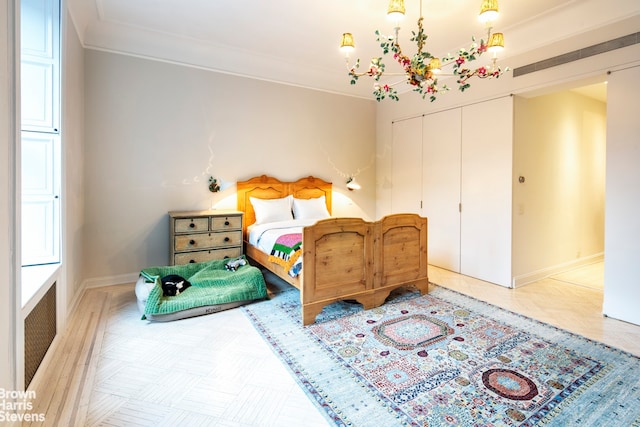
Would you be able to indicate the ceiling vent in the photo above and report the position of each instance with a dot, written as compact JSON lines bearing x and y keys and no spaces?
{"x":586,"y":52}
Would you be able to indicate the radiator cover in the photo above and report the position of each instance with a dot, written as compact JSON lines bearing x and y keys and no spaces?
{"x":39,"y":331}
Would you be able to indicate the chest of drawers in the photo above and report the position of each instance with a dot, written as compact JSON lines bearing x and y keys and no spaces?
{"x":198,"y":236}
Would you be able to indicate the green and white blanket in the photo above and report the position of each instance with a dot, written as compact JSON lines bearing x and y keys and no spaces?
{"x":211,"y":284}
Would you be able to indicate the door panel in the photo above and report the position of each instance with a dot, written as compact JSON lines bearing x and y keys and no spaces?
{"x":40,"y":71}
{"x":406,"y":166}
{"x":487,"y":159}
{"x":441,"y":186}
{"x":37,"y":96}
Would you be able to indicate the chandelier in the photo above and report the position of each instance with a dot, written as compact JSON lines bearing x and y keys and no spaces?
{"x":421,"y":71}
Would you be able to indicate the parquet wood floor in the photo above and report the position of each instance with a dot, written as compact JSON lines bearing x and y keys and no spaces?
{"x":109,"y":368}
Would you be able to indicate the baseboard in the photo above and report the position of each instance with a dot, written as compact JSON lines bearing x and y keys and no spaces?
{"x":74,"y":302}
{"x":98,"y":283}
{"x":534,"y":276}
{"x":121,"y":279}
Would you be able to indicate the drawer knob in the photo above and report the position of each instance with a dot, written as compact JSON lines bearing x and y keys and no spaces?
{"x":192,"y":225}
{"x":192,"y":242}
{"x":226,"y":239}
{"x":192,"y":261}
{"x":226,"y":223}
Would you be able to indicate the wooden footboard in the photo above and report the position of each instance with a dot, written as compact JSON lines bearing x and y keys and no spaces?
{"x":343,"y":258}
{"x":401,"y":253}
{"x":337,"y":264}
{"x":348,"y":258}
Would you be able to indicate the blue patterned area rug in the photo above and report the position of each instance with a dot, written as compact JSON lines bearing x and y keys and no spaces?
{"x":445,"y":359}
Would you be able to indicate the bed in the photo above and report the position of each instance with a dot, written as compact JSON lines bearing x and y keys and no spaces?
{"x":341,"y":258}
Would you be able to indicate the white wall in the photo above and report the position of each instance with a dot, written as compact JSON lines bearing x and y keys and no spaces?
{"x":156,"y":131}
{"x":8,"y":298}
{"x":622,"y":240}
{"x":558,"y":212}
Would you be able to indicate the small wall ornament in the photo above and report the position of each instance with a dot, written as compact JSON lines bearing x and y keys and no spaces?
{"x":214,"y":187}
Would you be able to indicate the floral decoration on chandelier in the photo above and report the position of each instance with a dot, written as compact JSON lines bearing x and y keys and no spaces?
{"x":422,"y":69}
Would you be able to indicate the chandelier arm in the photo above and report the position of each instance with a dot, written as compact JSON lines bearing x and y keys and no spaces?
{"x":395,"y":74}
{"x":396,"y":83}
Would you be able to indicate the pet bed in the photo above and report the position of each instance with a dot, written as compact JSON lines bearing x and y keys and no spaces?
{"x":213,"y":288}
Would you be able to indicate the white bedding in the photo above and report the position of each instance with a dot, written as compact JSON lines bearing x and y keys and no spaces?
{"x":263,"y":236}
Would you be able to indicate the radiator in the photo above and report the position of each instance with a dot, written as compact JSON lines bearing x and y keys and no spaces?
{"x":39,"y":331}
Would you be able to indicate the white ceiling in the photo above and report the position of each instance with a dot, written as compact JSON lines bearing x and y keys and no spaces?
{"x":296,"y":42}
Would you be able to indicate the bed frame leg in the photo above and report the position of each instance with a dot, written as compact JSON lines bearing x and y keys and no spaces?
{"x":422,"y":286}
{"x":310,"y":312}
{"x":376,"y":300}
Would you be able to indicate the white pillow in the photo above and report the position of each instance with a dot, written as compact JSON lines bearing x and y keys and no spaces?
{"x":272,"y":210}
{"x":310,"y":208}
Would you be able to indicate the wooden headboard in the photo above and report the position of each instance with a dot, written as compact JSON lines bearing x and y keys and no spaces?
{"x":267,"y":187}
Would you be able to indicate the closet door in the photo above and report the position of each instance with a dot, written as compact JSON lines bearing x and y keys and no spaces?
{"x":406,"y":166}
{"x":487,"y":163}
{"x":441,"y":186}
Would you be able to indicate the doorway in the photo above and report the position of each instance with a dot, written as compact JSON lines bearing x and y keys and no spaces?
{"x":559,"y":184}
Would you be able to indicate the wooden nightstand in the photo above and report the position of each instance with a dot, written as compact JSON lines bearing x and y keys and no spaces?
{"x":198,"y":236}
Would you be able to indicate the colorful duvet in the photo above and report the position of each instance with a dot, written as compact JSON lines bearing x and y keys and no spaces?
{"x":282,"y":241}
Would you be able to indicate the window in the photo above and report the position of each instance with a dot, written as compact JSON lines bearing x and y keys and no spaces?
{"x":40,"y":144}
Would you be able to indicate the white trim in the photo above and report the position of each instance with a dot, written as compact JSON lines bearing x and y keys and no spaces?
{"x":36,"y":281}
{"x":120,"y":279}
{"x":73,"y":305}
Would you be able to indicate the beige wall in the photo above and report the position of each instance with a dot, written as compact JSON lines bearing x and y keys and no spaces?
{"x":73,"y":161}
{"x":156,"y":131}
{"x":558,"y":212}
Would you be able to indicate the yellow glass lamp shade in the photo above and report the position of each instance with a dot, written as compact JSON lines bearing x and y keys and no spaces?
{"x":434,"y":65}
{"x":396,"y":10}
{"x":347,"y":44}
{"x":488,"y":11}
{"x":496,"y":43}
